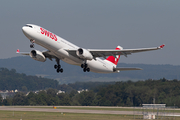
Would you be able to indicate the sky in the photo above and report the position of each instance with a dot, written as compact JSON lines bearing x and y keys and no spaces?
{"x":94,"y":24}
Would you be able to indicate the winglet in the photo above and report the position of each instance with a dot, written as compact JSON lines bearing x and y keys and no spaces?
{"x":162,"y":46}
{"x":17,"y":51}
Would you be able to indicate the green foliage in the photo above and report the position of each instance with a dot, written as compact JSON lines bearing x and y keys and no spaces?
{"x":118,"y":94}
{"x":7,"y":101}
{"x":86,"y":98}
{"x":19,"y":99}
{"x":99,"y":94}
{"x":10,"y":80}
{"x":1,"y":100}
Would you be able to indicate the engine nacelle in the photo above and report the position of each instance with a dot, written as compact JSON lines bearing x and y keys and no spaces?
{"x":37,"y":55}
{"x":84,"y":54}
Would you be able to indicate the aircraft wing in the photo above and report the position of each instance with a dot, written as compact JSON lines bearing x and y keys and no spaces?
{"x":125,"y":52}
{"x":47,"y":54}
{"x":111,"y":52}
{"x":126,"y":69}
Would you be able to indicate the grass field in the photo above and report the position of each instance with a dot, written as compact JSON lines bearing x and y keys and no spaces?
{"x":9,"y":115}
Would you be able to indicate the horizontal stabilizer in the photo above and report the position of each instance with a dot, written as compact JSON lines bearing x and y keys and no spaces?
{"x":23,"y":53}
{"x":126,"y":69}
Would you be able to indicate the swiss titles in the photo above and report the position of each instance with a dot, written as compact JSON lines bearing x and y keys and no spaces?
{"x":48,"y":34}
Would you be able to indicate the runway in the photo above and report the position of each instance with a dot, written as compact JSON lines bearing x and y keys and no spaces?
{"x":76,"y":109}
{"x":44,"y":109}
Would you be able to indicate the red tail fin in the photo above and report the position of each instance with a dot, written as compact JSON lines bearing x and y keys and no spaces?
{"x":112,"y":58}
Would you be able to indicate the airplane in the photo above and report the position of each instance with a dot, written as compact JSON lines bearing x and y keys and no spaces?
{"x":61,"y":49}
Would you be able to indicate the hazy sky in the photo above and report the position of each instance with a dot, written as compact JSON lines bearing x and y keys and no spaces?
{"x":97,"y":24}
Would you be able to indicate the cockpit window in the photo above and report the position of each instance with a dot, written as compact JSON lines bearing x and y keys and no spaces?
{"x":29,"y":26}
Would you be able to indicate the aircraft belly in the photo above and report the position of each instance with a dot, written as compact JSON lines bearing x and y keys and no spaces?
{"x":69,"y":61}
{"x":66,"y":57}
{"x":98,"y":67}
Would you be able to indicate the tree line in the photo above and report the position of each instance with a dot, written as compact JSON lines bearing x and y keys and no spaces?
{"x":128,"y":93}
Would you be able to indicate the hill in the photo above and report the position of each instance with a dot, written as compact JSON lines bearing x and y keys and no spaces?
{"x":11,"y":80}
{"x":74,"y":73}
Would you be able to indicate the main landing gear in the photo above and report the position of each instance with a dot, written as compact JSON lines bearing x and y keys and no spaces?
{"x":85,"y":67}
{"x":32,"y":43}
{"x":58,"y":66}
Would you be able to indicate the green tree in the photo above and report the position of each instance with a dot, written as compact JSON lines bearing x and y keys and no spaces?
{"x":24,"y":89}
{"x":31,"y":98}
{"x":52,"y":92}
{"x":42,"y":98}
{"x":1,"y":100}
{"x":7,"y":101}
{"x":19,"y":99}
{"x":64,"y":99}
{"x":128,"y":102}
{"x":86,"y":98}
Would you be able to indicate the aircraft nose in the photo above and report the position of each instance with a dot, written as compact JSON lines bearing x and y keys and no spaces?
{"x":24,"y":29}
{"x":27,"y":28}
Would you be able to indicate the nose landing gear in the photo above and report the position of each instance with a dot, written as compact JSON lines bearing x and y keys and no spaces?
{"x":32,"y":46}
{"x":32,"y":43}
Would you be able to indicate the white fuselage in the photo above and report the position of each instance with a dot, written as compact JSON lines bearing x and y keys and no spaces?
{"x":58,"y":47}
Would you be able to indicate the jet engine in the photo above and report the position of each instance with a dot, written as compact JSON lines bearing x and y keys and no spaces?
{"x":84,"y":54}
{"x":37,"y":55}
